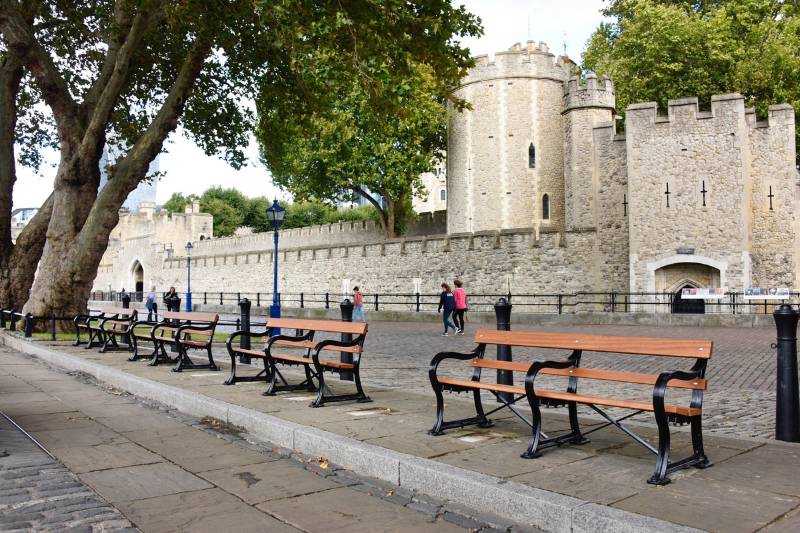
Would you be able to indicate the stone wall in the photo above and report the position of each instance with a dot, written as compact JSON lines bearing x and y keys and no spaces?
{"x":773,"y":249}
{"x":720,"y":167}
{"x":488,"y":262}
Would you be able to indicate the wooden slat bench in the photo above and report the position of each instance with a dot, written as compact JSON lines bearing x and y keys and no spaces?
{"x":91,"y":323}
{"x":117,"y":328}
{"x":692,"y":380}
{"x":185,"y":330}
{"x":308,"y":356}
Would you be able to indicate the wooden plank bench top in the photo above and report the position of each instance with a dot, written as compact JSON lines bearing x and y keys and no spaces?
{"x":696,"y":349}
{"x":328,"y":326}
{"x":190,"y":316}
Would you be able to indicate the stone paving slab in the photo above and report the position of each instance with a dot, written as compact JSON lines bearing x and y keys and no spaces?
{"x":38,"y":494}
{"x":167,"y":471}
{"x":604,"y":471}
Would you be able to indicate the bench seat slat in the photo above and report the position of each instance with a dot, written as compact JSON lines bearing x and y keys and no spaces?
{"x":590,"y":373}
{"x":698,"y":349}
{"x":329,"y":326}
{"x":253,"y":353}
{"x":483,"y":386}
{"x":617,"y":402}
{"x":308,"y":361}
{"x":566,"y":396}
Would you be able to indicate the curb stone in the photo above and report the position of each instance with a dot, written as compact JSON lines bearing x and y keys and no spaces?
{"x":543,"y":509}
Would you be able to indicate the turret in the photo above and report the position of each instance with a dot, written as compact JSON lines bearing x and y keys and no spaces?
{"x":585,"y":106}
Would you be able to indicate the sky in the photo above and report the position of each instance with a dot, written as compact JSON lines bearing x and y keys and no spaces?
{"x":559,"y":23}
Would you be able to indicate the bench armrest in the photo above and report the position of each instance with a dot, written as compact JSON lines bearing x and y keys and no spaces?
{"x":442,"y":356}
{"x":163,"y":324}
{"x":333,"y":342}
{"x":660,"y":388}
{"x":537,"y":366}
{"x":295,"y":338}
{"x":193,"y":327}
{"x":233,"y":336}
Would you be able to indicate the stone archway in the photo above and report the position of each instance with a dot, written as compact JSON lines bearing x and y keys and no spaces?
{"x":673,"y":278}
{"x":137,"y":274}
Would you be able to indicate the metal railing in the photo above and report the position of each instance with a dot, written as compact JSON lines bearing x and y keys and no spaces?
{"x":733,"y":303}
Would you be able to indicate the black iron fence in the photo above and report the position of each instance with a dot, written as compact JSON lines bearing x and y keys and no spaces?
{"x":733,"y":303}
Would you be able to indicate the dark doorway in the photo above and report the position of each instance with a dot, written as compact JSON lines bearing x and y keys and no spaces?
{"x":138,"y":277}
{"x":687,"y":307}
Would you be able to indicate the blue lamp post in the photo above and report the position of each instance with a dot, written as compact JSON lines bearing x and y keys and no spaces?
{"x":276,"y":215}
{"x":189,"y":276}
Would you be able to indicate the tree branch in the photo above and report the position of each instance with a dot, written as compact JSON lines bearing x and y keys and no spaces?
{"x":357,"y":189}
{"x":19,"y":38}
{"x":131,"y":169}
{"x":114,"y":42}
{"x":104,"y":105}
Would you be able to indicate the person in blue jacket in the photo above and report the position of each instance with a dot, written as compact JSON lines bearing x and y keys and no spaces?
{"x":447,"y":303}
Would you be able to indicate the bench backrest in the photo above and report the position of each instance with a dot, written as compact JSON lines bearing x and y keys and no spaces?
{"x":190,"y":316}
{"x":693,"y":348}
{"x":120,"y":311}
{"x":328,"y":326}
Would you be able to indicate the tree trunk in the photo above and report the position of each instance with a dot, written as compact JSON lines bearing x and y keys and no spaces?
{"x":67,"y":269}
{"x":18,"y":267}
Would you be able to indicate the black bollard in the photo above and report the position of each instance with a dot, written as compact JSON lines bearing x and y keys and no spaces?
{"x":13,"y":320}
{"x":28,"y":325}
{"x":244,"y":340}
{"x":126,"y":301}
{"x":502,"y":311}
{"x":176,"y":307}
{"x":346,"y":357}
{"x":787,"y":403}
{"x":2,"y":319}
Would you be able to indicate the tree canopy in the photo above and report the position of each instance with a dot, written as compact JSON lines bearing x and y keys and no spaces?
{"x":135,"y":70}
{"x":655,"y":50}
{"x":232,"y":210}
{"x":351,"y":149}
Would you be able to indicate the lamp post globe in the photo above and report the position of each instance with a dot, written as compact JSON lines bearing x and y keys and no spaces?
{"x":276,"y":216}
{"x":189,"y":276}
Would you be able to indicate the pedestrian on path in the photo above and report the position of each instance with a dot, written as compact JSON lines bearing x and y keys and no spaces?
{"x":358,"y":306}
{"x":447,"y":305}
{"x":152,"y":306}
{"x":460,"y":297}
{"x":171,"y":299}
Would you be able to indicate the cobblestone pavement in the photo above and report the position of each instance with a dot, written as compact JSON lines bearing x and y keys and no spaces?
{"x":740,"y":400}
{"x":166,"y":471}
{"x":37,"y":493}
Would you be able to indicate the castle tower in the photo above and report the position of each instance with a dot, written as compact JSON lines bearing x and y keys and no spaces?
{"x":505,"y":166}
{"x":585,"y":107}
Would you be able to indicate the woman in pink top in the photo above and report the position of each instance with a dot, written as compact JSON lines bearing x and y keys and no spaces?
{"x":358,"y":306}
{"x":460,"y":296}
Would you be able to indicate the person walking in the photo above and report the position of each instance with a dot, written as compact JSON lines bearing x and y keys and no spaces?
{"x":358,"y":306}
{"x":447,"y":305}
{"x":460,"y":297}
{"x":151,"y":305}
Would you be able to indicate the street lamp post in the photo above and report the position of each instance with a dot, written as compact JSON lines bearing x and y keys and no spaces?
{"x":276,"y":215}
{"x":189,"y":276}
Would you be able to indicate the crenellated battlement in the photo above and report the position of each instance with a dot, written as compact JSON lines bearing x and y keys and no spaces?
{"x":777,"y":115}
{"x":727,"y":107}
{"x":592,"y":93}
{"x":531,"y":60}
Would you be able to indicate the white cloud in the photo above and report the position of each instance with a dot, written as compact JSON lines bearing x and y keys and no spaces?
{"x":188,"y":170}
